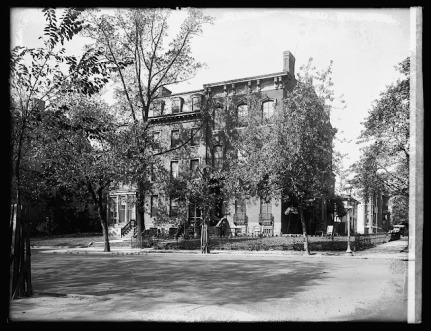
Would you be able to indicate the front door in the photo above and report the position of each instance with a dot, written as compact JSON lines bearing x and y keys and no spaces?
{"x":122,"y":209}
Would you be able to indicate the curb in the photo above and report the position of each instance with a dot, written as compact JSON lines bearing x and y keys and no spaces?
{"x":147,"y":251}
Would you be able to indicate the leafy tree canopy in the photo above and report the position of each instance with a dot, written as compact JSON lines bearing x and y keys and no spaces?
{"x":384,"y":164}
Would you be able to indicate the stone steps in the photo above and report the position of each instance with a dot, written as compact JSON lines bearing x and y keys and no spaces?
{"x":114,"y":231}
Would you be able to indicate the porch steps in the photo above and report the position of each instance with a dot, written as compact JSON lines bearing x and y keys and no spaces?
{"x":114,"y":231}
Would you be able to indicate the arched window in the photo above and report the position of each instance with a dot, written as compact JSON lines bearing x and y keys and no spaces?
{"x":267,"y":109}
{"x":218,"y":157}
{"x":218,"y":119}
{"x":242,"y":114}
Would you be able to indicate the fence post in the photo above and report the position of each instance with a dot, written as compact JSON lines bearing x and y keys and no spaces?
{"x":12,"y":227}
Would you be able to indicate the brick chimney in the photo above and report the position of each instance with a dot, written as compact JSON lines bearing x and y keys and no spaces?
{"x":289,"y":62}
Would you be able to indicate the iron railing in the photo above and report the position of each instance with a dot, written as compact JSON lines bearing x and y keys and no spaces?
{"x":129,"y":225}
{"x":266,"y":219}
{"x":240,"y":219}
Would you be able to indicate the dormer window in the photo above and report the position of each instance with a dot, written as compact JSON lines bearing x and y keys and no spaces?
{"x":196,"y":102}
{"x":177,"y":105}
{"x":156,"y":109}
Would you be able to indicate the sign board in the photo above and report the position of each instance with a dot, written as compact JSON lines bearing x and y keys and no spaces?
{"x":329,"y":230}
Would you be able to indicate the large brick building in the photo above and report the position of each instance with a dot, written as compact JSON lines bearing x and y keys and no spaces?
{"x":176,"y":117}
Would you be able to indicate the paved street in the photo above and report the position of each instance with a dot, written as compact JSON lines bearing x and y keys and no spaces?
{"x":217,"y":287}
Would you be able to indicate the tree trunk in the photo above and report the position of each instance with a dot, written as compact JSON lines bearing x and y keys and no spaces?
{"x":304,"y":229}
{"x":20,"y":285}
{"x":16,"y":255}
{"x":21,"y":275}
{"x":104,"y":223}
{"x":204,"y":238}
{"x":27,"y":280}
{"x":140,"y":222}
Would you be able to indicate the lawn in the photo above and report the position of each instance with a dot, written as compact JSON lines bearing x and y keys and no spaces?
{"x":74,"y":240}
{"x":316,"y":243}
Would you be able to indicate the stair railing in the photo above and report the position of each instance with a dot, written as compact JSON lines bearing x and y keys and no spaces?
{"x":129,"y":225}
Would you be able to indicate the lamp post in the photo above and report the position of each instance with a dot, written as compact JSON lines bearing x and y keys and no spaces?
{"x":348,"y":188}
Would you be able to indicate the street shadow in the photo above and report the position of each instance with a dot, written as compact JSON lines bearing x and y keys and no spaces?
{"x":185,"y":279}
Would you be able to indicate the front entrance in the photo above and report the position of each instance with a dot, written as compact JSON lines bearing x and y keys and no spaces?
{"x":122,"y":212}
{"x":122,"y":208}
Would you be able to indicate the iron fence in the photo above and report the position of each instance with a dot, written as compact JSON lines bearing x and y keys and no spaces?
{"x":289,"y":242}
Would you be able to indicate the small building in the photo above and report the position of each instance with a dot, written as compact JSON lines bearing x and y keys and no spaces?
{"x":373,"y":214}
{"x":351,"y":206}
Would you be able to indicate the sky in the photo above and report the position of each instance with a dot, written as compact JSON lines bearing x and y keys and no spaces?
{"x":364,"y":45}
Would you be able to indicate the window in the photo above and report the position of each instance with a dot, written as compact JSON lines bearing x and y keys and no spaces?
{"x":242,"y":114}
{"x":218,"y":157}
{"x":218,"y":119}
{"x":267,"y":109}
{"x":265,"y":206}
{"x":195,"y":137}
{"x":175,"y":138}
{"x":194,"y":212}
{"x":122,"y":208}
{"x":156,"y":140}
{"x":173,"y":207}
{"x":177,"y":105}
{"x":156,"y":109}
{"x":113,"y":202}
{"x":130,"y":207}
{"x":194,"y":164}
{"x":162,"y":108}
{"x":174,"y":169}
{"x":196,"y":103}
{"x":153,"y":173}
{"x":240,"y":206}
{"x":154,"y":205}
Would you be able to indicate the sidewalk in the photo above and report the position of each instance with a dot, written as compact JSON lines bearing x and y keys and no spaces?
{"x":390,"y":250}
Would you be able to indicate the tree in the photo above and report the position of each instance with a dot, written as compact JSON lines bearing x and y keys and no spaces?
{"x":38,"y":78}
{"x":81,"y":152}
{"x":384,"y":163}
{"x":135,"y":43}
{"x":290,"y":156}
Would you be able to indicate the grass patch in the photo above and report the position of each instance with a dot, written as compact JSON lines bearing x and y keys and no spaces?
{"x":294,"y":243}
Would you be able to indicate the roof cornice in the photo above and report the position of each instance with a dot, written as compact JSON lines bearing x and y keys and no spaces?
{"x":174,"y":117}
{"x":246,"y":79}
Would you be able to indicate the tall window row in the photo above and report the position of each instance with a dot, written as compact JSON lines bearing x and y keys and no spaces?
{"x":193,"y":136}
{"x":193,"y":168}
{"x":193,"y":210}
{"x":177,"y":106}
{"x":266,"y":113}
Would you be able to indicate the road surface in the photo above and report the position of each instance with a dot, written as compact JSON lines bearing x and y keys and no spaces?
{"x":214,"y":287}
